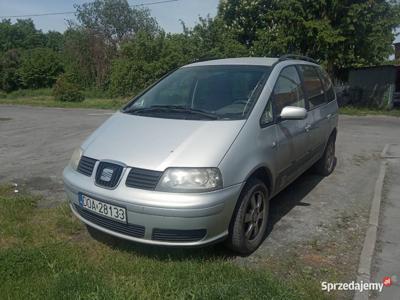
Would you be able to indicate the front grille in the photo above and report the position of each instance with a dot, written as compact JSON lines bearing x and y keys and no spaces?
{"x":108,"y":174}
{"x":172,"y":235}
{"x":143,"y":179}
{"x":127,"y":229}
{"x":86,"y":165}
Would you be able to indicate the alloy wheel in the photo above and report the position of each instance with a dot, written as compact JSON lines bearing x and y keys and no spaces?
{"x":255,"y":215}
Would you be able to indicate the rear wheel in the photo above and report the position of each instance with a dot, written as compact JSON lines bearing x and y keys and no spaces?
{"x":249,"y":223}
{"x":327,"y":163}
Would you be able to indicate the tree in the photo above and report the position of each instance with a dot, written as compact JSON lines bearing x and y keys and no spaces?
{"x":245,"y":17}
{"x":87,"y":57}
{"x":39,"y":68}
{"x":115,"y":19}
{"x":22,"y":34}
{"x":54,"y":40}
{"x":339,"y":33}
{"x":210,"y":39}
{"x":146,"y":57}
{"x":9,"y":64}
{"x":140,"y":63}
{"x":103,"y":26}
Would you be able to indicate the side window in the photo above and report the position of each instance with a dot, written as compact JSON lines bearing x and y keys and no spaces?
{"x":268,"y":114}
{"x":328,"y":86}
{"x":287,"y":90}
{"x":312,"y":86}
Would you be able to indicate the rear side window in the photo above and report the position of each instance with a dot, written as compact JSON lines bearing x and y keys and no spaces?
{"x":328,"y":86}
{"x":287,"y":90}
{"x":312,"y":86}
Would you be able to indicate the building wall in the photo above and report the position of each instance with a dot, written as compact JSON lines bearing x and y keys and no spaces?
{"x":397,"y":51}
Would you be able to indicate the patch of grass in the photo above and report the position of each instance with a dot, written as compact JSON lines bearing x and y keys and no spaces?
{"x":360,"y":111}
{"x":27,"y":93}
{"x":48,"y":101}
{"x":93,"y":93}
{"x":46,"y":253}
{"x":43,"y":97}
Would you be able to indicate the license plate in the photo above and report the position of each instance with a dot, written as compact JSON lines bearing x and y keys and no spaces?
{"x":114,"y":212}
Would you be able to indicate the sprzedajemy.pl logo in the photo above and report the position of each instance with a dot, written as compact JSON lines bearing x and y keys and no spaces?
{"x":359,"y":286}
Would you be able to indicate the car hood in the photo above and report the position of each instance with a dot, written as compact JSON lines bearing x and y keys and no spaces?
{"x":157,"y":143}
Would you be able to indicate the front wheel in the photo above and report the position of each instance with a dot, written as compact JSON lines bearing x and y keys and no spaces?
{"x":250,"y":220}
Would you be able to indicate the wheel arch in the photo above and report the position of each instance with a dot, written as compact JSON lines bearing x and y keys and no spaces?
{"x":333,"y":133}
{"x":264,"y":174}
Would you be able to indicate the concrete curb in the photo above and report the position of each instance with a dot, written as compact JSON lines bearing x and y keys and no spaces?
{"x":367,"y":253}
{"x":385,"y":151}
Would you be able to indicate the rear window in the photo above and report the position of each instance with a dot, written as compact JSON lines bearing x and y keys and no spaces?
{"x":328,"y":86}
{"x":312,"y":86}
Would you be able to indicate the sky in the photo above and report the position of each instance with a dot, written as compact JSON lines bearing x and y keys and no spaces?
{"x":167,"y":14}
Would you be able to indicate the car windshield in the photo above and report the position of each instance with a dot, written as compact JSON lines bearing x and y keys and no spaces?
{"x":204,"y":93}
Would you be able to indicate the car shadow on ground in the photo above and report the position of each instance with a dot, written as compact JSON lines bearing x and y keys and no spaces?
{"x":292,"y":196}
{"x":280,"y":205}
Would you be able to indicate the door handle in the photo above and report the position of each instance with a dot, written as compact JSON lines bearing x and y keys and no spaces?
{"x":329,"y":116}
{"x":307,"y":128}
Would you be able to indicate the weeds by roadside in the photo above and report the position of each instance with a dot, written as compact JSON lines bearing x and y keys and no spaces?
{"x":43,"y":97}
{"x":359,"y":111}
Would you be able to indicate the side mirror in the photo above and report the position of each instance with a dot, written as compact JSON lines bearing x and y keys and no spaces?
{"x":293,"y":113}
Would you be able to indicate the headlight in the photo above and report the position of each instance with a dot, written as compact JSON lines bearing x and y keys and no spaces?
{"x":76,"y":157}
{"x":186,"y":180}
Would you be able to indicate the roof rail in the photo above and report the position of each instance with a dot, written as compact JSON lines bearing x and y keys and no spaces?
{"x":204,"y":58}
{"x":296,"y":56}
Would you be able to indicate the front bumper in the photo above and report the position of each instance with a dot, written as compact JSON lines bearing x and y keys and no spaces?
{"x":157,"y":211}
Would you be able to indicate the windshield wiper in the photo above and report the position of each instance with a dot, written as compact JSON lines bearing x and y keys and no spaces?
{"x":173,"y":109}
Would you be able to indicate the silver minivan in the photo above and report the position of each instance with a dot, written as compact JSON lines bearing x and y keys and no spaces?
{"x":196,"y":158}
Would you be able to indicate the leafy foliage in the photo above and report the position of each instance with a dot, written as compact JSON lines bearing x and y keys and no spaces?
{"x":22,"y":34}
{"x":211,"y":39}
{"x":115,"y":20}
{"x":138,"y":65}
{"x":340,"y":33}
{"x":67,"y":91}
{"x":87,"y":57}
{"x":39,"y":68}
{"x":120,"y":49}
{"x":9,"y":64}
{"x":54,"y":40}
{"x":147,"y":57}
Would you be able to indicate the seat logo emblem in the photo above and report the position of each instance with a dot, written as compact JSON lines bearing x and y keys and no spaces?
{"x":106,"y":174}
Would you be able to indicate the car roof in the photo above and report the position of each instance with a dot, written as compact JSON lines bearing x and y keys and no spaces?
{"x":251,"y":61}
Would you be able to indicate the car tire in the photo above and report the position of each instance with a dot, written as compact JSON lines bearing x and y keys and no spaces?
{"x":327,"y":163}
{"x":249,"y":222}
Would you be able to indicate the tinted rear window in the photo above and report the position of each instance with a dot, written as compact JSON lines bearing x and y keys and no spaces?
{"x":312,"y":86}
{"x":328,"y":86}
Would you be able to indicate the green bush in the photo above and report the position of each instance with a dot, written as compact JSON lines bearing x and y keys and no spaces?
{"x":40,"y":68}
{"x":66,"y":91}
{"x":10,"y":61}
